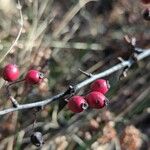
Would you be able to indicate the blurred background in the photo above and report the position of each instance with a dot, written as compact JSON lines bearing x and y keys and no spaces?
{"x":58,"y":38}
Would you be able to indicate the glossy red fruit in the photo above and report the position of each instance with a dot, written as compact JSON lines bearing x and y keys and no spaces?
{"x":95,"y":100}
{"x":34,"y":77}
{"x":100,"y":85}
{"x":10,"y":72}
{"x":145,"y":1}
{"x":77,"y":104}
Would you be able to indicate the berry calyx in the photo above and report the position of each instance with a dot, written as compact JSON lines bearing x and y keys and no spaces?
{"x":145,"y":1}
{"x":37,"y":139}
{"x":77,"y":104}
{"x":100,"y":85}
{"x":96,"y":100}
{"x":10,"y":72}
{"x":34,"y":77}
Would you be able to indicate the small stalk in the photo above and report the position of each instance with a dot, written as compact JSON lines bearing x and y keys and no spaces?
{"x":89,"y":75}
{"x":11,"y":98}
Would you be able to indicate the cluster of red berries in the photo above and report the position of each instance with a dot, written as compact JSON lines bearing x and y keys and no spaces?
{"x":95,"y":99}
{"x":146,"y":11}
{"x":11,"y":73}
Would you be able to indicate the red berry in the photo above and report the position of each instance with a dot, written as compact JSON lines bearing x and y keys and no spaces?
{"x":96,"y":100}
{"x":34,"y":77}
{"x":145,"y":1}
{"x":100,"y":85}
{"x":77,"y":104}
{"x":10,"y":72}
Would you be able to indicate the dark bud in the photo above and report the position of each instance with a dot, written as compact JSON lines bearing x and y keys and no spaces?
{"x":146,"y":14}
{"x":37,"y":139}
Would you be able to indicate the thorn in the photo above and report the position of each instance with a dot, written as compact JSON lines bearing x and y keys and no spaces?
{"x":120,"y":59}
{"x":66,"y":99}
{"x":85,"y":73}
{"x":124,"y":73}
{"x":127,"y":39}
{"x":14,"y":102}
{"x":138,"y":50}
{"x":133,"y":41}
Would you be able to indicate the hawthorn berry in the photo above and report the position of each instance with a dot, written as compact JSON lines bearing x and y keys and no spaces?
{"x":100,"y":85}
{"x":10,"y":72}
{"x":77,"y":104}
{"x":146,"y":14}
{"x":34,"y":77}
{"x":145,"y":1}
{"x":96,"y":100}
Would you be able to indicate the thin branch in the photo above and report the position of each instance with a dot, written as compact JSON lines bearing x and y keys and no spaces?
{"x":19,"y":33}
{"x":72,"y":89}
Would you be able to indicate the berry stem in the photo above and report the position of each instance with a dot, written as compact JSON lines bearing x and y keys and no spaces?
{"x":11,"y":98}
{"x":11,"y":84}
{"x":15,"y":82}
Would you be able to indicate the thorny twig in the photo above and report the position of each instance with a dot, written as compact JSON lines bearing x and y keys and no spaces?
{"x":133,"y":57}
{"x":75,"y":88}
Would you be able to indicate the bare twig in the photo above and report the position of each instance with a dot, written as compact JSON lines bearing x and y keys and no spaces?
{"x":69,"y":91}
{"x":19,"y":33}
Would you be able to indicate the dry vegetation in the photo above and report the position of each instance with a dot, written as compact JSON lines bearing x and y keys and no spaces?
{"x":58,"y":37}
